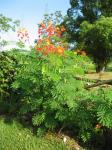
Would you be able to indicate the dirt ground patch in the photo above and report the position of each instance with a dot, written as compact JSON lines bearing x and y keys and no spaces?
{"x":100,"y":76}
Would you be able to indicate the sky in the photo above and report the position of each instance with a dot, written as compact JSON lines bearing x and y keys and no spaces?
{"x":30,"y":13}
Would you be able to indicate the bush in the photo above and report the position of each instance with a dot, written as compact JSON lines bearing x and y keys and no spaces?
{"x":94,"y":119}
{"x":48,"y":85}
{"x":10,"y":62}
{"x":8,"y":71}
{"x":50,"y":98}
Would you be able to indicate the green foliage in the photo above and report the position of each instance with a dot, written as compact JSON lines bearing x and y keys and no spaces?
{"x":50,"y":98}
{"x":3,"y":43}
{"x":90,"y":10}
{"x":85,"y":63}
{"x":10,"y":62}
{"x":48,"y":85}
{"x":93,"y":114}
{"x":7,"y":24}
{"x":7,"y":72}
{"x":56,"y":17}
{"x":104,"y":110}
{"x":38,"y":119}
{"x":96,"y":38}
{"x":85,"y":10}
{"x":20,"y":44}
{"x":82,"y":19}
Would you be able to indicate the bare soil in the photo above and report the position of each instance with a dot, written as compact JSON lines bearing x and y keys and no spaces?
{"x":100,"y":76}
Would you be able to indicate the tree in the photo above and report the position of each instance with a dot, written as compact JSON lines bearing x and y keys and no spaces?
{"x":96,"y":38}
{"x":89,"y":10}
{"x":6,"y":24}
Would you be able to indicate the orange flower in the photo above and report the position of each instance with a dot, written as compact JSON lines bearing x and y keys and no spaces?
{"x":48,"y":42}
{"x":98,"y":126}
{"x":39,"y":41}
{"x":60,"y":50}
{"x":50,"y":30}
{"x":59,"y":33}
{"x":63,"y":29}
{"x":43,"y":25}
{"x":22,"y":34}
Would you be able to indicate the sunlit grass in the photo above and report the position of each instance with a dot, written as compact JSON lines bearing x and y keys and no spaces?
{"x":14,"y":137}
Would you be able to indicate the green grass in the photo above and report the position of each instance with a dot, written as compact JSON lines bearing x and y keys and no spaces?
{"x":14,"y":137}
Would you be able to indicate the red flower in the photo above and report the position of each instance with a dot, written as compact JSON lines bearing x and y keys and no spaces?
{"x":46,"y":43}
{"x":39,"y":41}
{"x":42,"y":25}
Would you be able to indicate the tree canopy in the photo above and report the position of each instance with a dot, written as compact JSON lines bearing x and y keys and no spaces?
{"x":7,"y":23}
{"x":81,"y":10}
{"x":96,"y":38}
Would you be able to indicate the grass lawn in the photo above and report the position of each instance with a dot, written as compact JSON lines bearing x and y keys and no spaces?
{"x":14,"y":137}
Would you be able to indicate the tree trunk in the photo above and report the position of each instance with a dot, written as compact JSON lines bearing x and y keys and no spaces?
{"x":100,"y":67}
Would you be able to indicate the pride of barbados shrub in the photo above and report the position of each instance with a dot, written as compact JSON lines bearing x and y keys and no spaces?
{"x":50,"y":98}
{"x":50,"y":92}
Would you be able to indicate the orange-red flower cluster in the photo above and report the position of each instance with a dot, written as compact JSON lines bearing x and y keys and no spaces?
{"x":46,"y":47}
{"x":46,"y":42}
{"x":60,"y":30}
{"x":50,"y":30}
{"x":23,"y":35}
